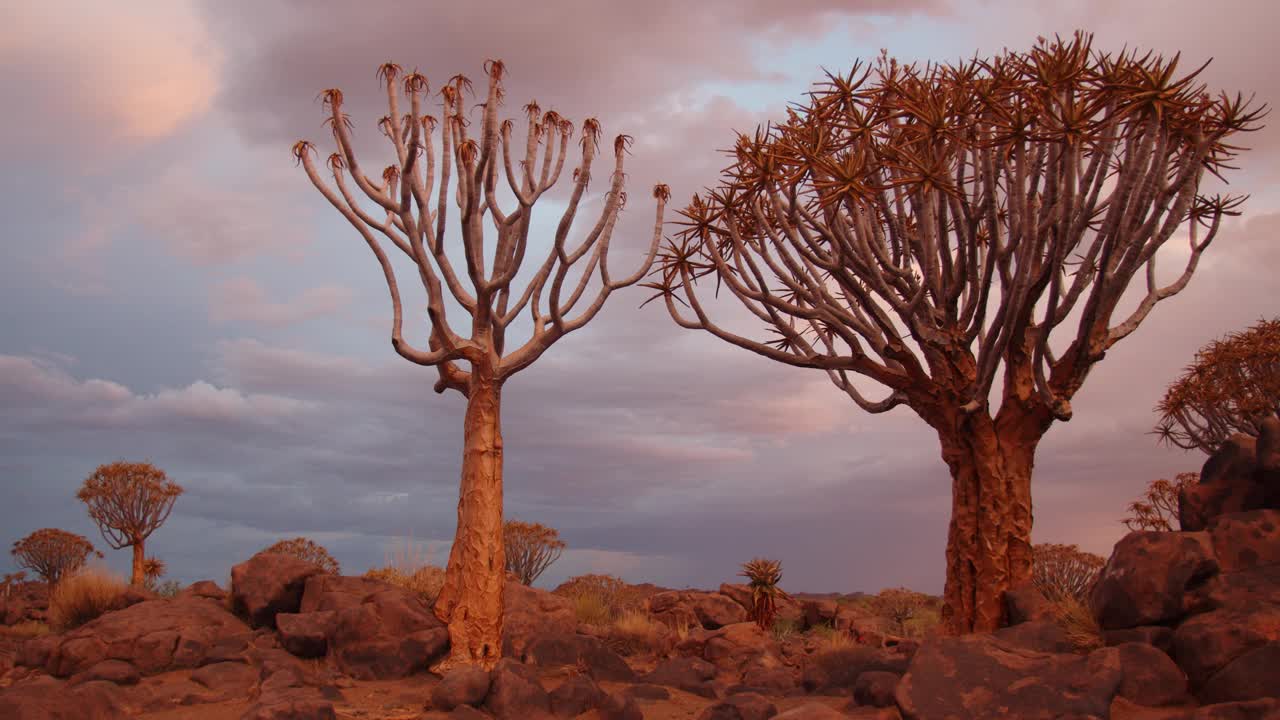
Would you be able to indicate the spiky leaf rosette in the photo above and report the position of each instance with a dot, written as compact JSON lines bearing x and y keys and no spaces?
{"x":764,"y":576}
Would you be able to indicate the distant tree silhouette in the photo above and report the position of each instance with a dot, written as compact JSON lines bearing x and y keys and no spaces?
{"x":52,"y":553}
{"x":929,"y":228}
{"x":470,"y":602}
{"x":530,"y":549}
{"x":129,"y":501}
{"x":1158,"y":507}
{"x":307,"y":550}
{"x":1231,"y":387}
{"x":899,"y":606}
{"x":1065,"y":571}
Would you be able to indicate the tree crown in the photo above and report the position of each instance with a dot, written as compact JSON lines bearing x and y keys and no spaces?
{"x":128,"y":501}
{"x":307,"y":550}
{"x":52,"y":553}
{"x":530,"y":548}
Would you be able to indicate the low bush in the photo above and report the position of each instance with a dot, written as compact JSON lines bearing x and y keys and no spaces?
{"x":600,"y":599}
{"x":635,"y":632}
{"x":426,"y":581}
{"x":77,"y":599}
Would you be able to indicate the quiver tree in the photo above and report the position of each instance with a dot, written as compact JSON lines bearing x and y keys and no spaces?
{"x":899,"y":606}
{"x":399,"y":207}
{"x":763,"y":577}
{"x":1157,"y":509}
{"x":1065,"y":571}
{"x":52,"y":553}
{"x":1233,"y":385}
{"x":962,"y":235}
{"x":129,"y":501}
{"x":530,"y":549}
{"x":11,"y":580}
{"x":307,"y":550}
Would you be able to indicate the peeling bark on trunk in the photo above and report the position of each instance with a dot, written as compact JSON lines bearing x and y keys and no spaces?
{"x":139,"y":557}
{"x":989,"y":541}
{"x":470,"y":602}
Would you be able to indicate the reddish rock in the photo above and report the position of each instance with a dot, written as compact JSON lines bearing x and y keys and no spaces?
{"x":390,"y":635}
{"x":291,"y":704}
{"x":715,"y":611}
{"x":267,"y":584}
{"x":306,"y":634}
{"x":26,"y":602}
{"x":112,"y":671}
{"x":515,"y":692}
{"x":1246,"y":540}
{"x":1267,"y":709}
{"x":529,"y":611}
{"x":976,"y":676}
{"x":1206,"y":643}
{"x":732,"y":647}
{"x":835,"y":672}
{"x":1144,"y":581}
{"x":1158,"y":636}
{"x":819,"y":612}
{"x":229,"y":679}
{"x":1251,"y":676}
{"x":1025,"y":603}
{"x":1151,"y":678}
{"x":204,"y":589}
{"x":1039,"y":635}
{"x":645,"y":691}
{"x":1243,"y":475}
{"x":463,"y":685}
{"x":811,"y":711}
{"x":52,"y":700}
{"x":576,"y":695}
{"x":771,"y":679}
{"x":558,"y":648}
{"x":876,"y":688}
{"x":743,"y":706}
{"x":324,"y":592}
{"x":619,"y":707}
{"x":684,"y":673}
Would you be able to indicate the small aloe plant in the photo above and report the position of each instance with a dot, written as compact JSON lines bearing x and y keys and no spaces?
{"x":764,"y":576}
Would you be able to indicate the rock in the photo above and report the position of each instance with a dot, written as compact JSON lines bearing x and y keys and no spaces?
{"x":1025,"y":603}
{"x":204,"y":589}
{"x":230,"y":679}
{"x":1268,"y":709}
{"x":26,"y":602}
{"x":619,"y":707}
{"x":391,"y":634}
{"x":466,"y":712}
{"x":529,"y":611}
{"x":1151,"y":678}
{"x":515,"y":693}
{"x":715,"y":611}
{"x":1206,"y":643}
{"x":977,"y":676}
{"x":645,"y":691}
{"x":1248,"y":589}
{"x":1246,"y":540}
{"x":324,"y":592}
{"x":875,"y":688}
{"x":35,"y":652}
{"x":835,"y":672}
{"x":1144,"y":580}
{"x":94,"y":700}
{"x":558,"y":648}
{"x":154,"y":636}
{"x":112,"y":671}
{"x":1157,"y":636}
{"x":819,"y":612}
{"x":267,"y":584}
{"x":730,"y":648}
{"x":811,"y":711}
{"x":291,"y":704}
{"x":306,"y":634}
{"x":684,"y":673}
{"x":576,"y":695}
{"x":738,"y":593}
{"x":464,"y":685}
{"x":743,"y":706}
{"x":1039,"y":635}
{"x":780,"y":680}
{"x":1251,"y":676}
{"x":1243,"y":475}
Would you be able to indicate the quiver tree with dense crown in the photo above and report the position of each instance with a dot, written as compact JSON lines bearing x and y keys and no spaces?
{"x":52,"y":553}
{"x":307,"y":550}
{"x":1233,"y":385}
{"x":924,"y":228}
{"x":471,"y":599}
{"x":129,"y":501}
{"x":530,"y":549}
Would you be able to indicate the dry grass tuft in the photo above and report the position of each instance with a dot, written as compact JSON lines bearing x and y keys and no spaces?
{"x":1077,"y":622}
{"x":592,"y":608}
{"x":426,"y":581}
{"x":635,"y":632}
{"x":82,"y":597}
{"x":828,"y":639}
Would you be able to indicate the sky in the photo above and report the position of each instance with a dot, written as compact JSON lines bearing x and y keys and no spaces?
{"x":174,"y":290}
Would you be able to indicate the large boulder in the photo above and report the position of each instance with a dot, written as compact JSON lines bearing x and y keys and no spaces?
{"x":1243,"y":475}
{"x":1207,"y":643}
{"x":515,"y":692}
{"x":154,"y":636}
{"x":977,"y":676}
{"x":835,"y":672}
{"x":684,"y":673}
{"x":1251,"y":676}
{"x":1151,"y":678}
{"x":324,"y":592}
{"x":267,"y":584}
{"x":1025,"y":603}
{"x":25,"y":602}
{"x":529,"y":611}
{"x":576,"y":695}
{"x":463,"y":685}
{"x":48,"y":699}
{"x":732,"y":647}
{"x":711,"y":611}
{"x":742,"y":706}
{"x":306,"y":634}
{"x":1147,"y":576}
{"x":559,"y":648}
{"x":390,"y":634}
{"x":1246,"y":540}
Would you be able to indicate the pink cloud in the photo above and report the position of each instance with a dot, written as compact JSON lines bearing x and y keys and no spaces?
{"x":241,"y":299}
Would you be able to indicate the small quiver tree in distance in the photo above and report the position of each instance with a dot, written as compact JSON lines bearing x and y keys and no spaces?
{"x":899,"y":606}
{"x":1065,"y":571}
{"x":11,"y":580}
{"x":52,"y":553}
{"x":470,"y":602}
{"x":530,"y":549}
{"x":924,"y":228}
{"x":763,"y":577}
{"x":307,"y":550}
{"x":129,"y":501}
{"x":1157,"y":509}
{"x":1231,"y":387}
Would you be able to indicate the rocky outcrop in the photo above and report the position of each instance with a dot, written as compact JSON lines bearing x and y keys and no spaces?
{"x":528,"y":612}
{"x":711,"y":611}
{"x":559,"y":649}
{"x":268,"y":584}
{"x":1243,"y":475}
{"x":1148,"y":573}
{"x":24,"y":602}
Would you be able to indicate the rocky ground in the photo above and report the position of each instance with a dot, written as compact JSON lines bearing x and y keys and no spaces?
{"x":1187,"y":628}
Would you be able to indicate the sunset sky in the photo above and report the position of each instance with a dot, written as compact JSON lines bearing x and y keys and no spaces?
{"x":173,"y":289}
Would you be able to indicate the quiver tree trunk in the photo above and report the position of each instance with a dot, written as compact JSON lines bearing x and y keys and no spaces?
{"x":139,"y":576}
{"x":989,"y":540}
{"x":470,"y":602}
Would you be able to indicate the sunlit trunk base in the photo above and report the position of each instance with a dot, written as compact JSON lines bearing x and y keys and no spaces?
{"x":139,"y":557}
{"x":470,"y":602}
{"x":989,"y":542}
